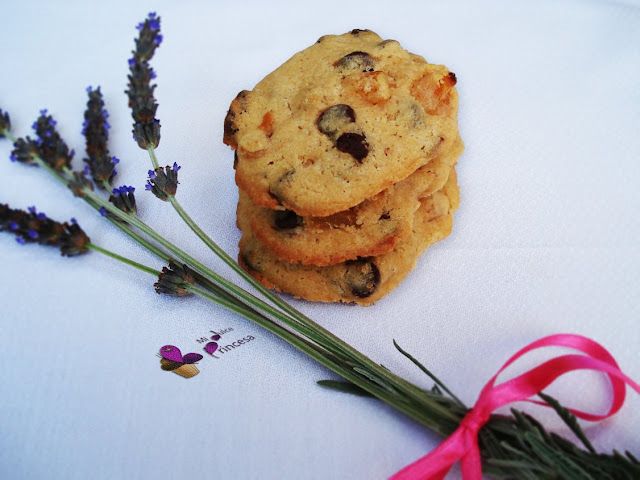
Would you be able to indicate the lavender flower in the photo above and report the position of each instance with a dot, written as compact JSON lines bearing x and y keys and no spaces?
{"x":124,"y":199}
{"x":74,"y":241}
{"x":34,"y":227}
{"x":146,"y":128}
{"x":163,"y":182}
{"x":148,"y":39}
{"x":95,"y":129}
{"x":24,"y":151}
{"x":51,"y":148}
{"x":175,"y":281}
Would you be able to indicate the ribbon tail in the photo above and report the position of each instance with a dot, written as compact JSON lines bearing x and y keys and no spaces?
{"x":471,"y":464}
{"x":436,"y":464}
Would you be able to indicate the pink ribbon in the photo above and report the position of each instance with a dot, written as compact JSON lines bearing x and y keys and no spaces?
{"x":463,"y":443}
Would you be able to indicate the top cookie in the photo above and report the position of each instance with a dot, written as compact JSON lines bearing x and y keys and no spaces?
{"x":338,"y":123}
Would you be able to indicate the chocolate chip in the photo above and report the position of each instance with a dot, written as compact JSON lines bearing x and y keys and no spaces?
{"x":356,"y":31}
{"x":385,"y":216}
{"x":229,"y":128}
{"x":235,"y":159}
{"x":242,"y":94}
{"x":357,"y":61}
{"x":334,"y":118}
{"x":286,"y":220}
{"x":354,"y":144}
{"x":278,"y":189}
{"x":245,"y":261}
{"x":384,"y":43}
{"x":362,"y":277}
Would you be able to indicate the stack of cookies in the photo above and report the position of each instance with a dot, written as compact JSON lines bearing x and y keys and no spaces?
{"x":344,"y":158}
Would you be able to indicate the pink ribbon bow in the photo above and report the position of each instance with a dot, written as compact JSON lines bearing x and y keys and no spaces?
{"x":463,"y":443}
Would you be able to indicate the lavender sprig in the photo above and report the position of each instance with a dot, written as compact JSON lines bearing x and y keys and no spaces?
{"x":24,"y":151}
{"x":95,"y":129}
{"x":163,"y":182}
{"x":123,"y":197}
{"x":52,"y":148}
{"x":146,"y":128}
{"x":175,"y":281}
{"x":33,"y":227}
{"x":48,"y":145}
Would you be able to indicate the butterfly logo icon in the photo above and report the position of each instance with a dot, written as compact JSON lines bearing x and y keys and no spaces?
{"x":173,"y":361}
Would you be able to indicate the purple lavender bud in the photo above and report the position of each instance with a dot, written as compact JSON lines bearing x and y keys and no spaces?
{"x":43,"y":112}
{"x":89,"y":89}
{"x":176,"y":167}
{"x":34,"y":126}
{"x":41,"y":216}
{"x":148,"y":187}
{"x":13,"y":157}
{"x":103,"y":211}
{"x":158,"y":38}
{"x":192,"y":358}
{"x":74,"y":221}
{"x":169,"y":352}
{"x":32,"y":209}
{"x":115,"y":160}
{"x":21,"y":241}
{"x":13,"y":226}
{"x":132,"y":62}
{"x":151,"y":173}
{"x":33,"y":234}
{"x":86,"y":170}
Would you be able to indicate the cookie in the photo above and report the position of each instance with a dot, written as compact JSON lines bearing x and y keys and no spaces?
{"x":371,"y":228}
{"x":338,"y":123}
{"x":364,"y":280}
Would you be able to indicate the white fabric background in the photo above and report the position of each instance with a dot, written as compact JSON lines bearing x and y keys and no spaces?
{"x":546,"y":239}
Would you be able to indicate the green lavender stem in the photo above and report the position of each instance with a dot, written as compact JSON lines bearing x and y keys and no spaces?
{"x":120,"y":258}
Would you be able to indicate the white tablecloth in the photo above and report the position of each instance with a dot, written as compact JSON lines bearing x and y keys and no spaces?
{"x":546,"y":239}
